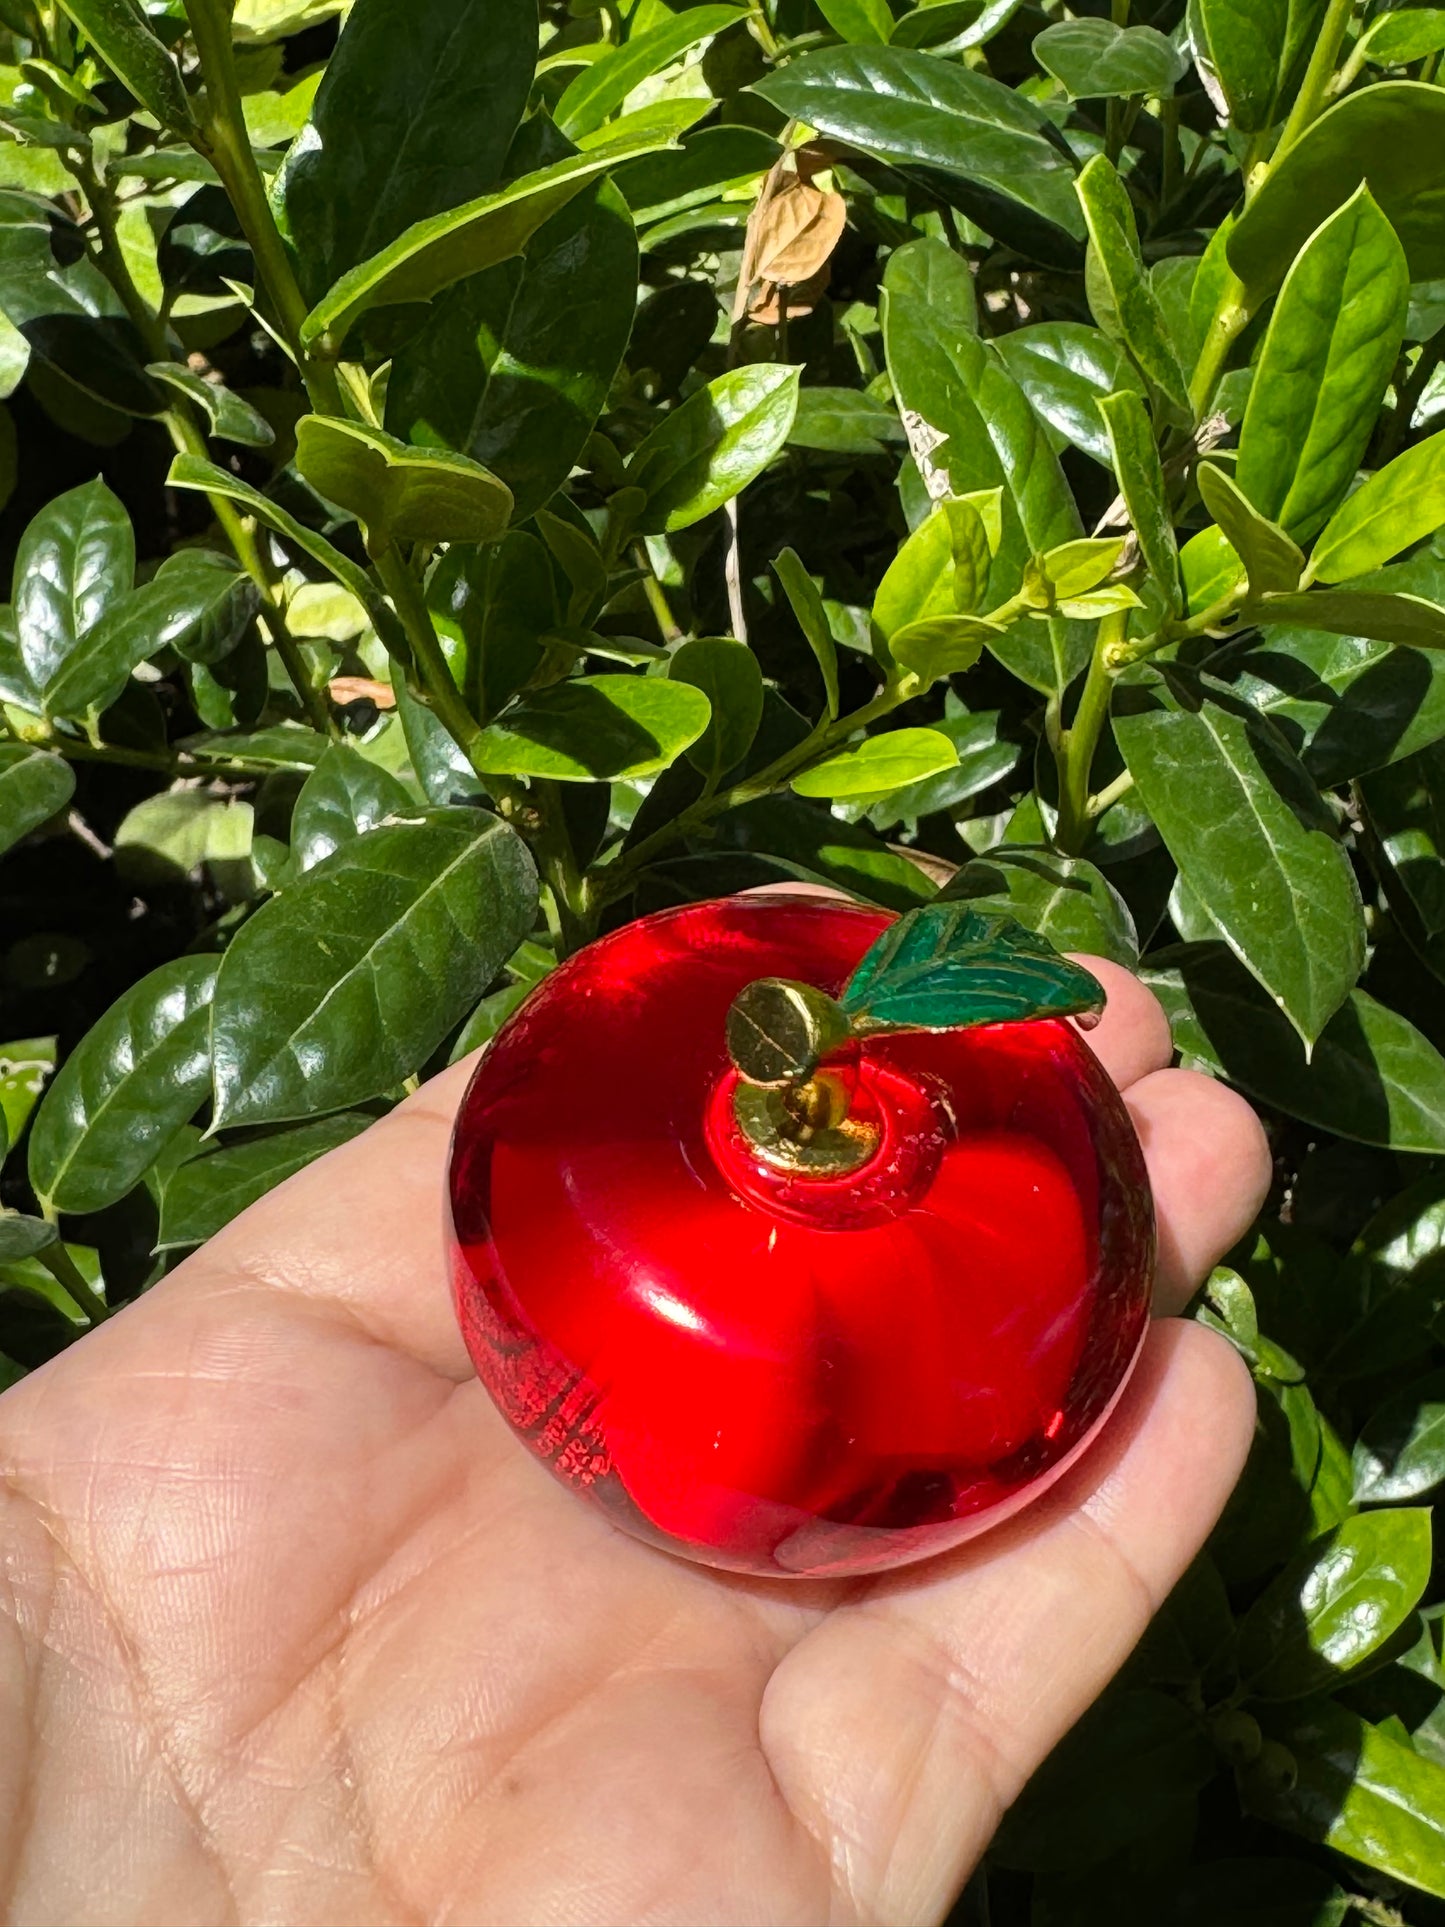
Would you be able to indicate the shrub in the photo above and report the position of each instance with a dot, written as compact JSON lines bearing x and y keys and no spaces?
{"x":461,"y":499}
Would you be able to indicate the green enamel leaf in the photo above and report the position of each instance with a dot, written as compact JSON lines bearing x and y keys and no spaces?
{"x":947,"y":965}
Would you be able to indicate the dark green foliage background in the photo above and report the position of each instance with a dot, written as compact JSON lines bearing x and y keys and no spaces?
{"x":1078,"y":547}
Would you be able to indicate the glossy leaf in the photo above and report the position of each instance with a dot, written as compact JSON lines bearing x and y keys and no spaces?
{"x":1364,"y":1794}
{"x":1251,"y":54}
{"x":1251,"y":838}
{"x":1319,"y":379}
{"x":807,"y":606}
{"x":1066,"y":370}
{"x":841,"y":421}
{"x":1210,"y":571}
{"x":1121,"y":296}
{"x":344,"y":796}
{"x":445,"y":248}
{"x":595,"y":728}
{"x":727,"y":673}
{"x":75,"y":559}
{"x":514,"y":365}
{"x":1372,"y":1077}
{"x":1396,"y":39}
{"x":1391,"y":135}
{"x":23,"y":1237}
{"x":1095,"y":59}
{"x":937,"y":646}
{"x":414,"y":115}
{"x":1272,"y":561}
{"x":1394,"y":509}
{"x":707,"y":450}
{"x":1400,"y":1454}
{"x":119,"y":34}
{"x":1063,"y":898}
{"x":858,"y":20}
{"x":400,"y":494}
{"x":133,"y":1079}
{"x":33,"y":786}
{"x":942,"y":569}
{"x":492,"y":606}
{"x":879,"y":764}
{"x":990,"y":151}
{"x":1336,"y":1604}
{"x":439,"y":901}
{"x":971,"y":419}
{"x":1349,"y":612}
{"x":949,"y":964}
{"x":209,"y":1191}
{"x":1141,"y":483}
{"x":231,"y":418}
{"x":25,"y":1065}
{"x":601,"y":88}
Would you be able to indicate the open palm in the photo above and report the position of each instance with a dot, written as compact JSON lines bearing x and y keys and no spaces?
{"x":292,"y":1629}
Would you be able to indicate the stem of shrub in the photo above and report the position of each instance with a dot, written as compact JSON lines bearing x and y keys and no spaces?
{"x":1079,"y":741}
{"x":66,"y":1273}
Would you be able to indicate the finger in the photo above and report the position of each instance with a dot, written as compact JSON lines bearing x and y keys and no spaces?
{"x":1210,"y":1169}
{"x":1132,"y":1037}
{"x":363,"y":1230}
{"x":902,"y":1727}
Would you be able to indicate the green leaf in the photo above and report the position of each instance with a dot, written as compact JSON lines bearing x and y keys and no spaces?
{"x":986,"y":148}
{"x":400,"y":494}
{"x":232,"y":419}
{"x":1121,"y":296}
{"x":1062,"y":898}
{"x":984,"y":757}
{"x":209,"y":1191}
{"x":1335,"y":1605}
{"x":727,"y":673}
{"x":366,"y":963}
{"x":1348,"y":612}
{"x":941,"y":569}
{"x":133,"y":1079}
{"x":1271,"y":560}
{"x":286,"y":746}
{"x":165,"y":837}
{"x":841,"y":421}
{"x":948,"y":964}
{"x":1141,"y":483}
{"x":1391,"y":135}
{"x":22,"y":1237}
{"x":1400,"y":1454}
{"x":415,"y":113}
{"x":594,"y":729}
{"x":344,"y":796}
{"x":1372,"y":1077}
{"x":973,"y":429}
{"x":487,"y":1019}
{"x":1398,"y":506}
{"x":1210,"y":570}
{"x":33,"y":786}
{"x":1095,"y":59}
{"x":117,"y":31}
{"x":1397,"y":39}
{"x":807,"y":605}
{"x":492,"y":606}
{"x":75,"y":559}
{"x":1321,"y":375}
{"x":1074,"y":568}
{"x":707,"y":450}
{"x":859,"y":21}
{"x":1251,"y":54}
{"x":939,"y":646}
{"x":1251,"y":838}
{"x":200,"y":605}
{"x":190,"y":471}
{"x":445,"y":248}
{"x":601,"y":88}
{"x":25,"y":1064}
{"x":513,"y":365}
{"x":1362,"y":1793}
{"x":1066,"y":370}
{"x":879,"y":764}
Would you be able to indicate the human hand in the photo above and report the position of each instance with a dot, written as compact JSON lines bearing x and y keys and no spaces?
{"x":292,"y":1628}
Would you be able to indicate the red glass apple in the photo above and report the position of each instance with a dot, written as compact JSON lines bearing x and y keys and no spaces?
{"x":764,"y":1365}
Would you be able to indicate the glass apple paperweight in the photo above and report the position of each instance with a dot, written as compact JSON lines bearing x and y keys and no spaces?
{"x":799,"y":1239}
